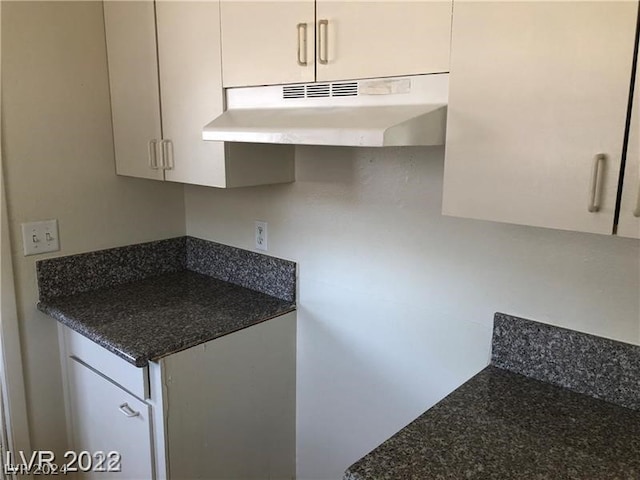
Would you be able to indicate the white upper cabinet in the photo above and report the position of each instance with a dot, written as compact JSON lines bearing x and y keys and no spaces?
{"x":133,"y":79}
{"x":537,"y":110}
{"x":163,"y":93}
{"x":381,"y":39}
{"x":267,"y":42}
{"x":189,"y":70}
{"x":629,"y":221}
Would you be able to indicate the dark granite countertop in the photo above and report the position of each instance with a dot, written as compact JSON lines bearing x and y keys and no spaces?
{"x":502,"y":425}
{"x":553,"y":404}
{"x":156,"y":316}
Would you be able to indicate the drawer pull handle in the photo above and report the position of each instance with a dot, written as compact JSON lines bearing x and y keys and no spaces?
{"x":302,"y":44}
{"x":128,"y":411}
{"x":636,"y":212}
{"x":323,"y":42}
{"x":153,"y":154}
{"x":596,"y":187}
{"x":167,"y":154}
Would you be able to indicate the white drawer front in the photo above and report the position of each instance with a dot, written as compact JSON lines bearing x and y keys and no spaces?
{"x":131,"y":378}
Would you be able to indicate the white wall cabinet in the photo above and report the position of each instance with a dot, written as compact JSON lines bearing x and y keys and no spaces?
{"x":224,"y":409}
{"x":538,"y":102}
{"x":629,"y":220}
{"x":273,"y":42}
{"x":164,"y":92}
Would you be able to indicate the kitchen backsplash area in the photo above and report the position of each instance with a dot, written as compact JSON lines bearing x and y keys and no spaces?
{"x":599,"y":367}
{"x":69,"y":275}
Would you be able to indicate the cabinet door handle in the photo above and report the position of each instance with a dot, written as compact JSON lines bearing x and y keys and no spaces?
{"x":127,"y":410}
{"x":596,"y":187}
{"x":166,"y":147}
{"x":636,"y":212}
{"x":323,"y":41}
{"x":153,"y":154}
{"x":302,"y":44}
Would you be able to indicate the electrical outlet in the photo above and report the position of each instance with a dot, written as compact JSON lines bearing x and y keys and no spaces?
{"x":40,"y":237}
{"x":261,"y":236}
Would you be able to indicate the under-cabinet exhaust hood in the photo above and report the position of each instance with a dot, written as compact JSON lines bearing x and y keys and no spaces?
{"x":395,"y":111}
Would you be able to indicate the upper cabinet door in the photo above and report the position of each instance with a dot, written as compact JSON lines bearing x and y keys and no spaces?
{"x":537,"y":109}
{"x":191,"y":90}
{"x":629,"y":221}
{"x":267,"y":42}
{"x":133,"y":79}
{"x":358,"y":39}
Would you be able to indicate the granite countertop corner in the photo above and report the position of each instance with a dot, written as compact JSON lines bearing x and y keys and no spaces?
{"x":143,"y":302}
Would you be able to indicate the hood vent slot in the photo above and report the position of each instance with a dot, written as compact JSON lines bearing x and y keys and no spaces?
{"x":320,"y":90}
{"x":293,"y":91}
{"x":344,"y":89}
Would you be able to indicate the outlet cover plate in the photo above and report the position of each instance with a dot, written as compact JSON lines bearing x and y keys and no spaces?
{"x":261,"y":236}
{"x":40,"y":237}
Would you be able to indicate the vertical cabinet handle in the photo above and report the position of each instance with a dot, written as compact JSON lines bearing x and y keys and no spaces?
{"x":153,"y":154}
{"x":323,"y":41}
{"x":128,"y":411}
{"x":166,"y":149}
{"x":302,"y":44}
{"x":595,"y":189}
{"x":636,"y":212}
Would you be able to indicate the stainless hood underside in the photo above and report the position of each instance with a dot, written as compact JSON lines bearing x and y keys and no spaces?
{"x":367,"y":113}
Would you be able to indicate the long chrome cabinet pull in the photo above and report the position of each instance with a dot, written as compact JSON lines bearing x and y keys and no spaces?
{"x":323,"y":42}
{"x":153,"y":154}
{"x":636,"y":212}
{"x":302,"y":44}
{"x":166,"y":147}
{"x":127,"y":410}
{"x":596,"y":187}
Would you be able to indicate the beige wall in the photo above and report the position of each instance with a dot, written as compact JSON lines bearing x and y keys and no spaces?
{"x":58,"y":156}
{"x":396,"y":301}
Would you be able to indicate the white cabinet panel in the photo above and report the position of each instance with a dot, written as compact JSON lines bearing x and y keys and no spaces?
{"x":537,"y":90}
{"x":380,"y":39}
{"x":629,"y":221}
{"x":190,"y":77}
{"x":267,"y":42}
{"x":133,"y":80}
{"x":106,"y":418}
{"x":167,"y":91}
{"x":260,"y":41}
{"x":243,"y":386}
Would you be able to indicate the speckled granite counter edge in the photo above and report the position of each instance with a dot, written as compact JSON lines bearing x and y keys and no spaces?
{"x":72,"y":274}
{"x":599,"y":367}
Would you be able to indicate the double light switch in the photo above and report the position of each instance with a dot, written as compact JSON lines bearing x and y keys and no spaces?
{"x":40,"y":237}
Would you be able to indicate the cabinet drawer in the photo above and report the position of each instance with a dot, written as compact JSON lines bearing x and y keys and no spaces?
{"x":105,"y":418}
{"x":131,"y":378}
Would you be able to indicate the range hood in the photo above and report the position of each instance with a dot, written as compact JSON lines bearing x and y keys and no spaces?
{"x":394,"y":111}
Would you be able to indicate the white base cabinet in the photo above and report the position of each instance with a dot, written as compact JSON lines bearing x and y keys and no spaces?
{"x":109,"y":423}
{"x":224,"y":409}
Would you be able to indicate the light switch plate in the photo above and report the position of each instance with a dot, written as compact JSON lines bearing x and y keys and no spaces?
{"x":40,"y":237}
